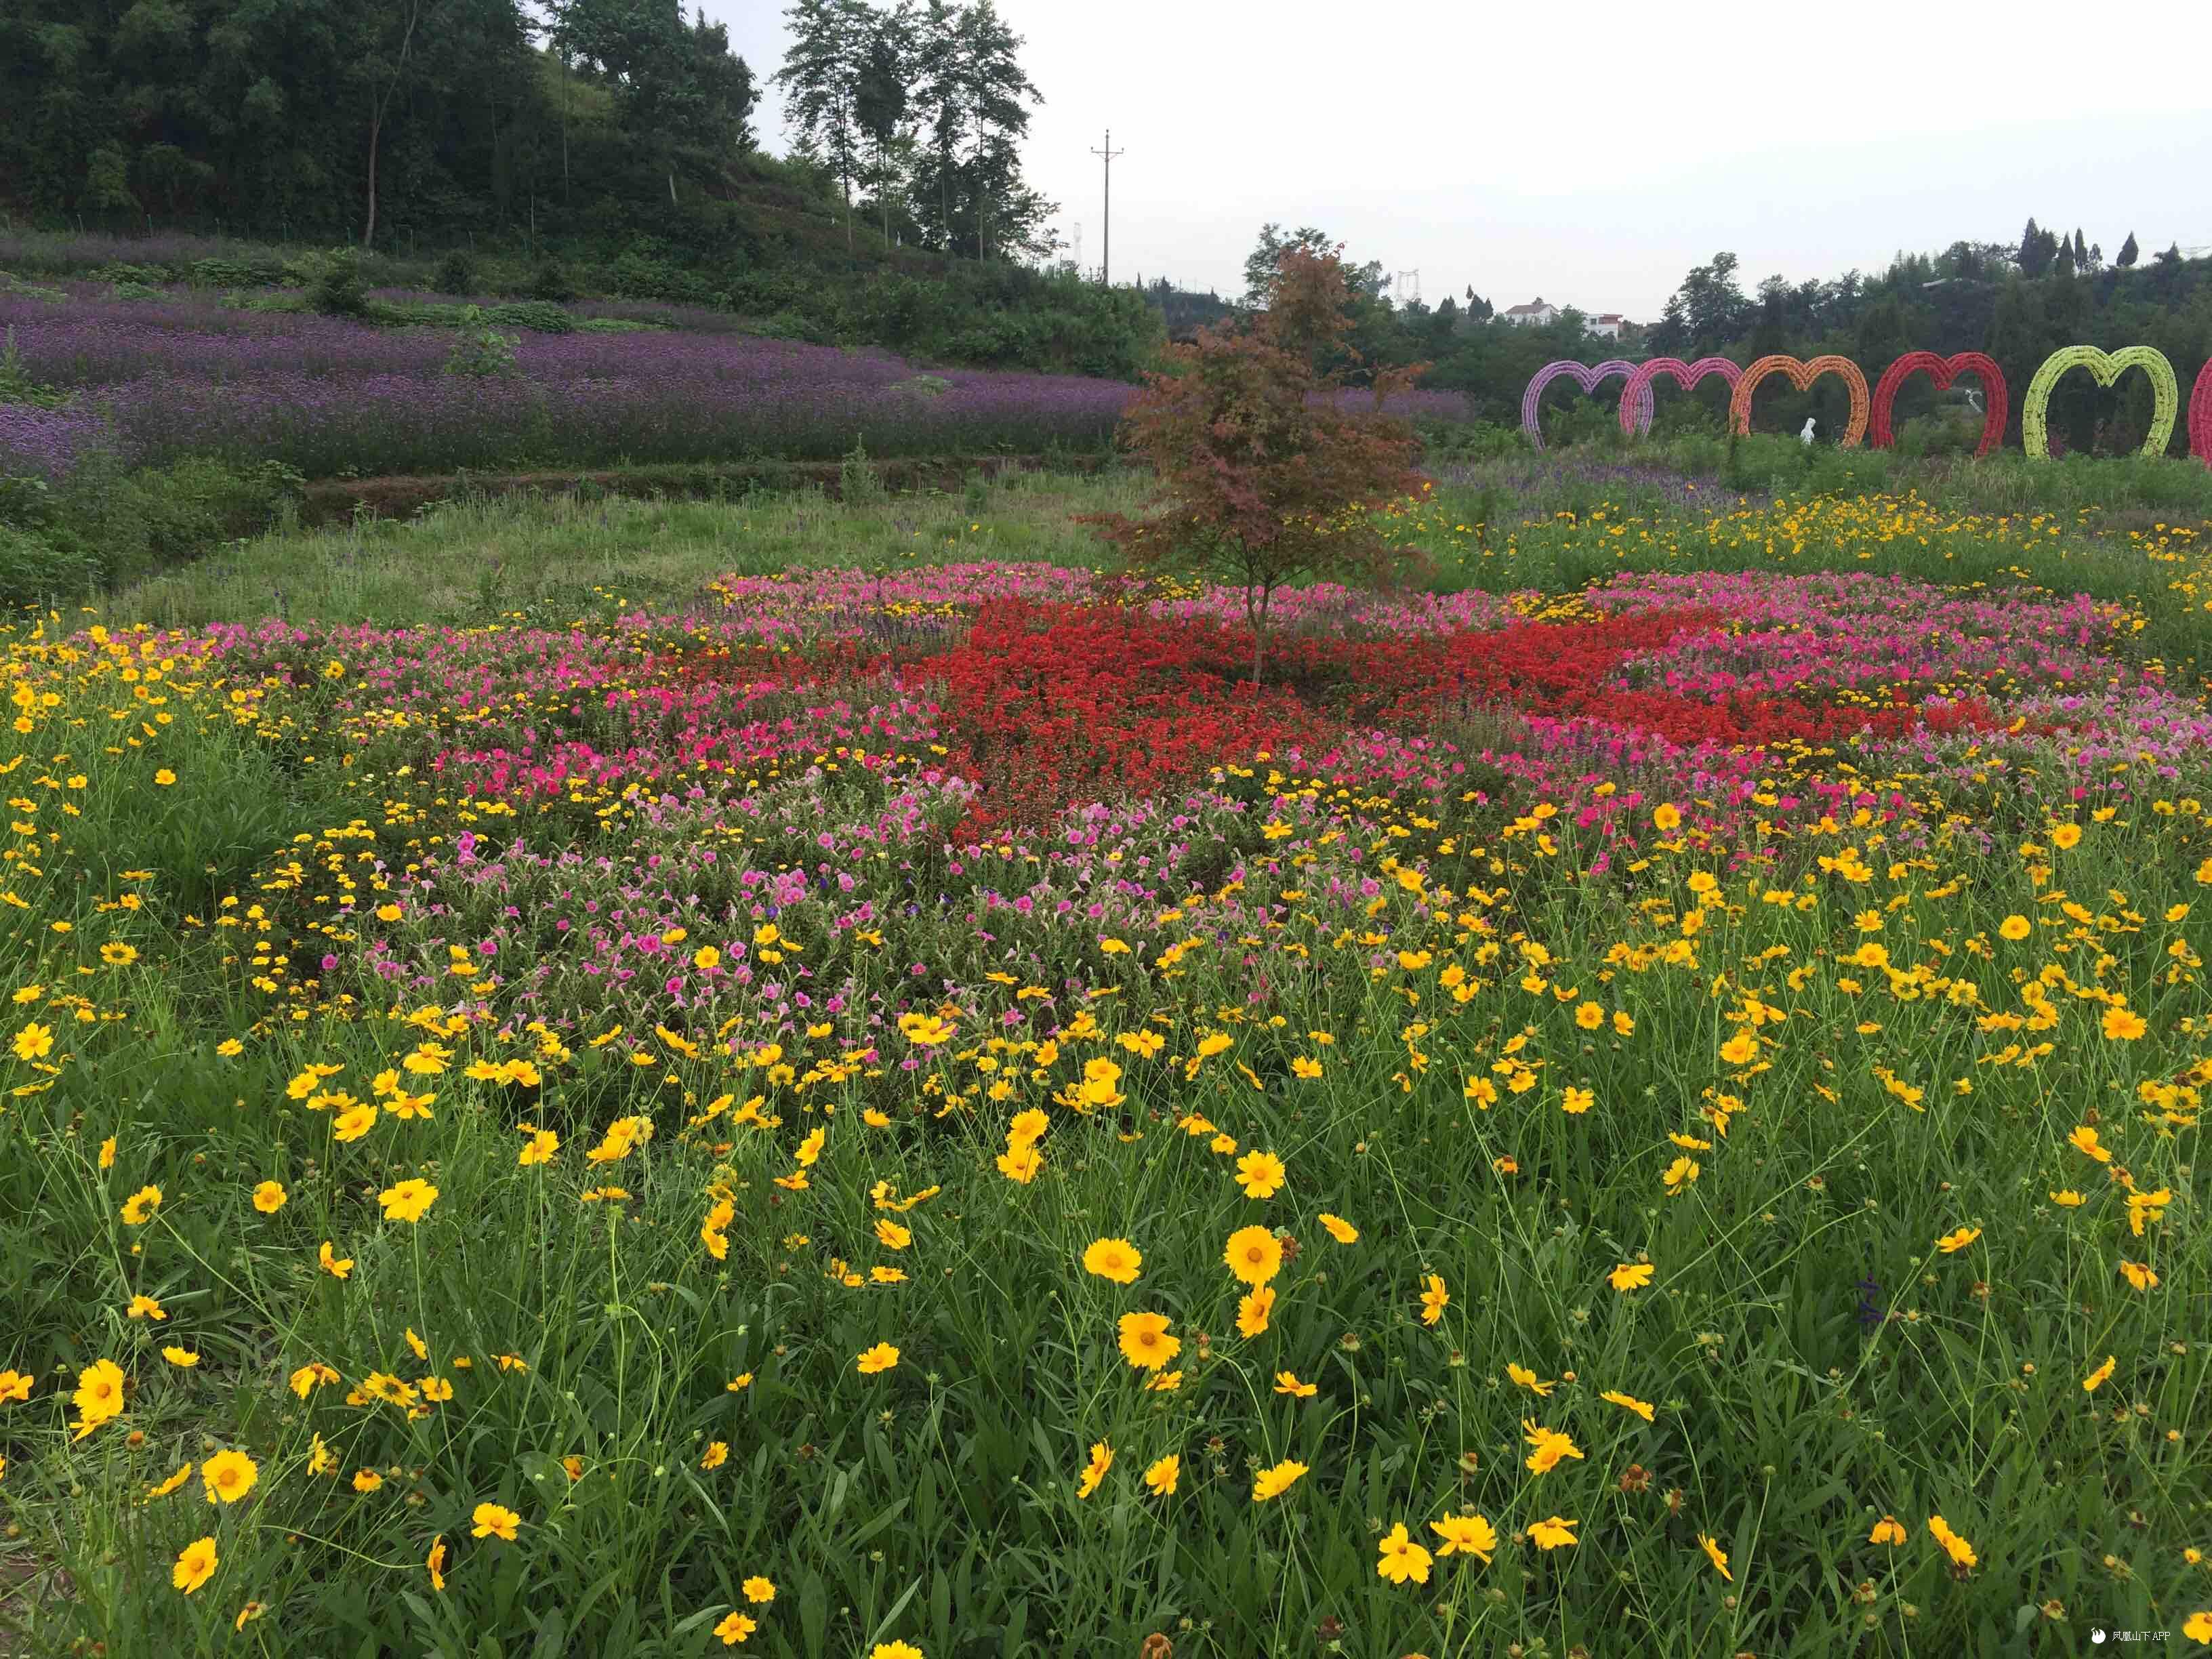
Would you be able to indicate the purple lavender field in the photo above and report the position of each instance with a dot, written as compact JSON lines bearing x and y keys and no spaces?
{"x":154,"y":381}
{"x":159,"y":379}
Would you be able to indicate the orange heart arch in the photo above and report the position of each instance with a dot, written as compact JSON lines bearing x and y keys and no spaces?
{"x":1802,"y":376}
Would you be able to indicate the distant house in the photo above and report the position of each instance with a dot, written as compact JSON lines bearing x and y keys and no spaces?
{"x":1608,"y":325}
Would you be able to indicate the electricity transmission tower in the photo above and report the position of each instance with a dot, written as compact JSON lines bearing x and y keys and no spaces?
{"x":1106,"y":261}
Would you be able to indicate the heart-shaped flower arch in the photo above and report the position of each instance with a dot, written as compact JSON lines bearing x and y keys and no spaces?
{"x":1589,"y":380}
{"x":1802,"y":376}
{"x":1640,"y":393}
{"x":2200,"y":416}
{"x":2107,"y":367}
{"x":1943,"y":371}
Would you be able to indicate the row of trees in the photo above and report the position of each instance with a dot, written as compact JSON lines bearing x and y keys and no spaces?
{"x":922,"y":107}
{"x":444,"y":119}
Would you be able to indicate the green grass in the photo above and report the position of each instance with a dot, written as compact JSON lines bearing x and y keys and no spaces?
{"x":556,"y":555}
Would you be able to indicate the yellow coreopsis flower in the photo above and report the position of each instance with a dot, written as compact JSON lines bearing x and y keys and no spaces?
{"x":1273,"y":1482}
{"x":1102,"y":1459}
{"x":1145,"y":1342}
{"x":1465,"y":1535}
{"x":1402,"y":1560}
{"x":195,"y":1565}
{"x":1255,"y":1254}
{"x":1716,"y":1555}
{"x":1113,"y":1259}
{"x":494,"y":1520}
{"x":1260,"y":1174}
{"x":409,"y":1201}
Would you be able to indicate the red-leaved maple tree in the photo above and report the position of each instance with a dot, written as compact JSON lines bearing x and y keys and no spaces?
{"x":1267,"y":471}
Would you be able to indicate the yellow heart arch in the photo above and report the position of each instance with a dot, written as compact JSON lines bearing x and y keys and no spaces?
{"x":2107,"y":367}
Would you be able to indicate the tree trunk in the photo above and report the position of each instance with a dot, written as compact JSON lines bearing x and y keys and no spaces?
{"x":375,"y":132}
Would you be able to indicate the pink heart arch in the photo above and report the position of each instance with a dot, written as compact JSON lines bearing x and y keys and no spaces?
{"x":1638,"y":391}
{"x":1589,"y":380}
{"x":2200,"y":416}
{"x":1943,"y":371}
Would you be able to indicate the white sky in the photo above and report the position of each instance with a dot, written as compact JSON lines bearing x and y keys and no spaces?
{"x":1513,"y":146}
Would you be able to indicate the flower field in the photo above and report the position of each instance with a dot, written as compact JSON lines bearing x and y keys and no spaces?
{"x":1642,"y":1099}
{"x":160,"y":379}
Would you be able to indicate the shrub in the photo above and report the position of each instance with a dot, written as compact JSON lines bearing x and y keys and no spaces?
{"x":457,"y":272}
{"x":551,"y":283}
{"x":540,"y":316}
{"x":129,"y":525}
{"x":16,"y":385}
{"x":35,"y":570}
{"x":261,"y":272}
{"x":334,"y":282}
{"x":481,"y":350}
{"x":859,"y":483}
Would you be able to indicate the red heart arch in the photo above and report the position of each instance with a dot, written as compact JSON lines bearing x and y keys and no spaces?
{"x":1943,"y":371}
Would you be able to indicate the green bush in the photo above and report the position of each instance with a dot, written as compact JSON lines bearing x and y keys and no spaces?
{"x":35,"y":570}
{"x":126,"y":525}
{"x":457,"y":272}
{"x":540,"y":316}
{"x":260,"y":271}
{"x":552,"y":283}
{"x":334,"y":282}
{"x":136,"y":275}
{"x":481,"y":351}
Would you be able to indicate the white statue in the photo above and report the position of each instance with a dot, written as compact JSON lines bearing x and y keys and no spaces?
{"x":1805,"y":435}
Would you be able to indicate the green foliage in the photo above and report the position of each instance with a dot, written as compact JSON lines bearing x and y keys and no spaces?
{"x":539,"y":316}
{"x":457,"y":273}
{"x":481,"y":350}
{"x":335,"y":284}
{"x":37,"y":571}
{"x":16,"y":385}
{"x":858,"y":484}
{"x":551,"y":283}
{"x":108,"y":526}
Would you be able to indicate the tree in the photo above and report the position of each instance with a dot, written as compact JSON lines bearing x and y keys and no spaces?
{"x":997,"y":89}
{"x":1263,"y":267}
{"x":880,"y":103}
{"x":382,"y":67}
{"x":1266,"y":471}
{"x":2080,"y":250}
{"x":679,"y":90}
{"x":2129,"y":253}
{"x":2038,"y":247}
{"x":829,"y":41}
{"x":2171,"y":256}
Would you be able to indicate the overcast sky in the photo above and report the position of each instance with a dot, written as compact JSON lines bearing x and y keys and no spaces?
{"x":1592,"y":153}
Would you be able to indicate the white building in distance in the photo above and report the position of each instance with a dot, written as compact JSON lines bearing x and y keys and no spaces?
{"x":1606,"y":326}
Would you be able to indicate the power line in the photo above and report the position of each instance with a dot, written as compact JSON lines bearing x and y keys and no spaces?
{"x":1106,"y":263}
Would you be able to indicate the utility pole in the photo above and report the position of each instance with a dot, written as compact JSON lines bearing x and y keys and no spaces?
{"x":1106,"y":263}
